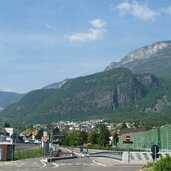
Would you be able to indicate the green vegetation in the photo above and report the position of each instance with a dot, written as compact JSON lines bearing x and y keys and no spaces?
{"x":104,"y":134}
{"x":93,"y":137}
{"x":98,"y":137}
{"x":83,"y":137}
{"x":33,"y":153}
{"x":116,"y":95}
{"x":7,"y":98}
{"x":163,"y":165}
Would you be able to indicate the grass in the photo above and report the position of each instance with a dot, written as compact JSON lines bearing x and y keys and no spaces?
{"x":18,"y":155}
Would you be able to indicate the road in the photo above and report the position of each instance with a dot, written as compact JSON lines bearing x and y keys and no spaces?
{"x":78,"y":164}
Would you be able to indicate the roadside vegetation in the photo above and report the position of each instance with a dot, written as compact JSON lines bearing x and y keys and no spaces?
{"x":164,"y":164}
{"x":33,"y":153}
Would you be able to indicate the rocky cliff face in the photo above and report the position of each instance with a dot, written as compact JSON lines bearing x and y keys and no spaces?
{"x":127,"y":93}
{"x":145,"y":52}
{"x":141,"y":56}
{"x":108,"y":97}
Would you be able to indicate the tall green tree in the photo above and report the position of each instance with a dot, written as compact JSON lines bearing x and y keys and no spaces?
{"x":104,"y":135}
{"x":115,"y":138}
{"x":72,"y":139}
{"x":83,"y":137}
{"x":93,"y":137}
{"x":40,"y":134}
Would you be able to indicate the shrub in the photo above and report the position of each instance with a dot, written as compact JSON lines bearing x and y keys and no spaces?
{"x":163,"y":165}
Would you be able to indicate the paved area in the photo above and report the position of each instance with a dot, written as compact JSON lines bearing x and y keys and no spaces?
{"x":83,"y":164}
{"x":107,"y":161}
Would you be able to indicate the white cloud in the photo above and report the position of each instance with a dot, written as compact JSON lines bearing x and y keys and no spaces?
{"x":93,"y":33}
{"x":167,"y":10}
{"x":124,"y":7}
{"x":98,"y":23}
{"x":140,"y":11}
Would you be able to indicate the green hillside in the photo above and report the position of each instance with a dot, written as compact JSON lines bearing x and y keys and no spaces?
{"x":115,"y":94}
{"x":7,"y":98}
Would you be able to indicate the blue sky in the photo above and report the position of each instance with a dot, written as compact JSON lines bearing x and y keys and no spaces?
{"x":47,"y":41}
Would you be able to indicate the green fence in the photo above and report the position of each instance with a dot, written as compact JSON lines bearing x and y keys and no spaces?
{"x":144,"y":140}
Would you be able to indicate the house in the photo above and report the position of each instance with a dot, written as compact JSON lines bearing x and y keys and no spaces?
{"x":6,"y":144}
{"x":34,"y":134}
{"x":131,"y":130}
{"x":6,"y":135}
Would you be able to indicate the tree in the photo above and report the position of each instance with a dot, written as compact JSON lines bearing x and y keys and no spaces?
{"x":40,"y":134}
{"x":115,"y":138}
{"x":56,"y":131}
{"x":123,"y":125}
{"x":93,"y":137}
{"x":28,"y":131}
{"x":7,"y":125}
{"x":104,"y":135}
{"x":83,"y":137}
{"x":72,"y":139}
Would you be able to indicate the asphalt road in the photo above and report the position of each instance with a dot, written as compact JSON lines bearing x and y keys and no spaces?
{"x":78,"y":164}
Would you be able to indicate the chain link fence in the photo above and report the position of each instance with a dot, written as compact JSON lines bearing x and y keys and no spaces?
{"x":144,"y":140}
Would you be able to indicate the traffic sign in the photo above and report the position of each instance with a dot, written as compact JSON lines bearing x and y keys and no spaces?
{"x":128,"y":138}
{"x":45,"y":139}
{"x":128,"y":142}
{"x":155,"y":149}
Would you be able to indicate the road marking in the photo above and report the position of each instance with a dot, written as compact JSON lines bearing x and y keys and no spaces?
{"x":43,"y":162}
{"x":100,"y":164}
{"x":55,"y":165}
{"x":72,"y":164}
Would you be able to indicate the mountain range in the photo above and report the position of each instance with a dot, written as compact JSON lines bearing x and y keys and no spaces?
{"x":136,"y":88}
{"x":7,"y":98}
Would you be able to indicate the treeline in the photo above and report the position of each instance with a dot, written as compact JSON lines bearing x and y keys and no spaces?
{"x":99,"y":136}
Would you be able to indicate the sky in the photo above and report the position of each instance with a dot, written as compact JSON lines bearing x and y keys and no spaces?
{"x":47,"y":41}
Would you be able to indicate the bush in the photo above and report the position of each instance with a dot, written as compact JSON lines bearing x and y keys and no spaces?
{"x":163,"y":165}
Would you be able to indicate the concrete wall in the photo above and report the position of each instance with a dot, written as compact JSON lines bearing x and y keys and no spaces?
{"x":141,"y":157}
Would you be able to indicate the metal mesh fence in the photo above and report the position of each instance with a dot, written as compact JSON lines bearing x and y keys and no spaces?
{"x":144,"y":140}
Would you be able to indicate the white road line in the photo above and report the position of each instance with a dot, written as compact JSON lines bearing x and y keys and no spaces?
{"x":100,"y":164}
{"x":43,"y":162}
{"x":62,"y":164}
{"x":55,"y":165}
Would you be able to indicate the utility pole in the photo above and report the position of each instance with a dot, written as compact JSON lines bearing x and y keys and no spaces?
{"x":51,"y":141}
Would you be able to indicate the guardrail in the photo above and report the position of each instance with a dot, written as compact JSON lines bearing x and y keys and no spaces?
{"x":61,"y":156}
{"x":115,"y":155}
